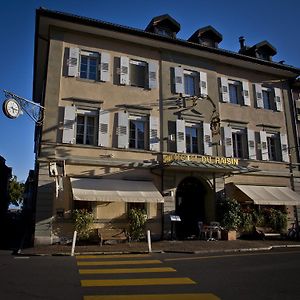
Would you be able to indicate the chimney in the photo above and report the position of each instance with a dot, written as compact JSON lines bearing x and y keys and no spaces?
{"x":242,"y":42}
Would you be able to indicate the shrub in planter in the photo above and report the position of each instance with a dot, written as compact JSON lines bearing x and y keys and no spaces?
{"x":137,"y":222}
{"x":83,"y":221}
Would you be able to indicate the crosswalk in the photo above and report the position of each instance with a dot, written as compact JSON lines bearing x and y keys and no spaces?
{"x":123,"y":277}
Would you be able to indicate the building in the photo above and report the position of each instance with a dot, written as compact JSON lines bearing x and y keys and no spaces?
{"x":139,"y":118}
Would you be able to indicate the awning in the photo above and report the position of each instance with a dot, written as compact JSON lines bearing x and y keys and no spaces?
{"x":113,"y":190}
{"x":270,"y":195}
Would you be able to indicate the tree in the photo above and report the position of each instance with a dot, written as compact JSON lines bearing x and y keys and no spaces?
{"x":15,"y":191}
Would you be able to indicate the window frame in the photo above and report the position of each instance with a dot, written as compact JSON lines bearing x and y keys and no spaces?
{"x":239,"y":147}
{"x":145,"y":121}
{"x":270,"y":100}
{"x":89,"y":56}
{"x":199,"y":134}
{"x":274,"y":154}
{"x":195,"y":76}
{"x":238,"y":91}
{"x":132,"y":69}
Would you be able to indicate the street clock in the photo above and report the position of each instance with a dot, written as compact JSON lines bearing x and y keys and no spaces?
{"x":11,"y":108}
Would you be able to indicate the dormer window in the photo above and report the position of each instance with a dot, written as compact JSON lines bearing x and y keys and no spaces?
{"x":206,"y":36}
{"x":164,"y":31}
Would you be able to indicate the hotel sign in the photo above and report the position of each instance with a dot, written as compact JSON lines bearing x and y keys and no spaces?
{"x":219,"y":160}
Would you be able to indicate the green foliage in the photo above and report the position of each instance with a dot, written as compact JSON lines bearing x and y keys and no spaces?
{"x":275,"y":218}
{"x":83,"y":221}
{"x":247,"y":221}
{"x":137,"y":222}
{"x":230,"y":213}
{"x":16,"y":190}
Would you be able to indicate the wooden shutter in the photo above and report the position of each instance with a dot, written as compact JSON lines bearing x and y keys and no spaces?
{"x":154,"y":133}
{"x":105,"y":67}
{"x":69,"y":125}
{"x":73,"y":62}
{"x":251,"y":144}
{"x":259,"y":96}
{"x":180,"y":136}
{"x":284,"y":147}
{"x":264,"y":145}
{"x":123,"y":130}
{"x":278,"y":99}
{"x":152,"y":74}
{"x":103,"y":133}
{"x":207,"y":139}
{"x":246,"y":94}
{"x":178,"y":80}
{"x":224,"y":89}
{"x":203,"y":84}
{"x":227,"y":142}
{"x":124,"y":70}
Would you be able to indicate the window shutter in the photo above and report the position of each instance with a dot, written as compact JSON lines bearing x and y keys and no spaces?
{"x":284,"y":147}
{"x":124,"y":72}
{"x":246,"y":94}
{"x":227,"y":142}
{"x":259,"y":96}
{"x":69,"y":125}
{"x":278,"y":99}
{"x":123,"y":130}
{"x":251,"y":144}
{"x":178,"y":73}
{"x":224,"y":89}
{"x":180,"y":136}
{"x":103,"y":133}
{"x":152,"y":74}
{"x":207,"y":138}
{"x":105,"y":67}
{"x":203,"y":84}
{"x":154,"y":133}
{"x":264,"y":145}
{"x":73,"y":62}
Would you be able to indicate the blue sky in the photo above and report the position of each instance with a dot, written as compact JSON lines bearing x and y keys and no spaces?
{"x":274,"y":20}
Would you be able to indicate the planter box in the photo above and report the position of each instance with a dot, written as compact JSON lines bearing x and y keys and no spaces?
{"x":228,"y":235}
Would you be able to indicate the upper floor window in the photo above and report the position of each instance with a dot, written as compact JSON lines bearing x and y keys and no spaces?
{"x":239,"y":143}
{"x":164,"y":31}
{"x":235,"y":91}
{"x":274,"y":146}
{"x":267,"y":98}
{"x":192,"y":138}
{"x":89,"y":65}
{"x":86,"y":126}
{"x":138,"y":132}
{"x":191,"y":83}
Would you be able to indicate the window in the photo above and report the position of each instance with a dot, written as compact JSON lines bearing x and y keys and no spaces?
{"x":192,"y":139}
{"x":266,"y":94}
{"x":239,"y":143}
{"x":138,"y":132}
{"x":138,"y":73}
{"x":235,"y":92}
{"x":274,"y":146}
{"x":163,"y":31}
{"x":191,"y":86}
{"x":86,"y":123}
{"x":89,"y":65}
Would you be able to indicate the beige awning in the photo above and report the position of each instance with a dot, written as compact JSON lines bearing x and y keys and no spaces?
{"x":113,"y":190}
{"x":270,"y":195}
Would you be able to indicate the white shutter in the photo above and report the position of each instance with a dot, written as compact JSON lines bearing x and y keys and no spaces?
{"x":284,"y":147}
{"x":69,"y":125}
{"x":180,"y":136}
{"x":203,"y":84}
{"x":152,"y":74}
{"x":264,"y":145}
{"x":73,"y":62}
{"x":105,"y":67}
{"x":278,"y":99}
{"x":207,"y":138}
{"x":251,"y":144}
{"x":246,"y":94}
{"x":224,"y":89}
{"x":178,"y":80}
{"x":227,"y":142}
{"x":124,"y":70}
{"x":154,"y":133}
{"x":103,"y":133}
{"x":123,"y":129}
{"x":259,"y":96}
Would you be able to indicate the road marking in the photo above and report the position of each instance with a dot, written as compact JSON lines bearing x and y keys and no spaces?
{"x":21,"y":257}
{"x":200,"y":296}
{"x":136,"y":282}
{"x":111,"y":256}
{"x":121,"y":262}
{"x":125,"y":271}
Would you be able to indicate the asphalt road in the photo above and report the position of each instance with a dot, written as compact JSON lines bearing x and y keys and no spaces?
{"x":258,"y":275}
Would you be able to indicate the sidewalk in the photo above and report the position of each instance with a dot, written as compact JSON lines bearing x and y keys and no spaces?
{"x":192,"y":246}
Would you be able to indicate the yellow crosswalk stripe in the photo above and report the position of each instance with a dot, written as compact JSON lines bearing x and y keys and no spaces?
{"x":111,"y":256}
{"x":135,"y":282}
{"x":121,"y":262}
{"x":200,"y":296}
{"x":125,"y":271}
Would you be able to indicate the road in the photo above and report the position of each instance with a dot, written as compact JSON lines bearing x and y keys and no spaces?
{"x":258,"y":275}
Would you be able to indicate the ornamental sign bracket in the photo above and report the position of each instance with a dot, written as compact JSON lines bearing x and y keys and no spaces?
{"x":15,"y":105}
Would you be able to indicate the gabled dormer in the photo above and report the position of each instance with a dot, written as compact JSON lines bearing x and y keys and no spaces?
{"x":263,"y":50}
{"x":207,"y":36}
{"x":164,"y":25}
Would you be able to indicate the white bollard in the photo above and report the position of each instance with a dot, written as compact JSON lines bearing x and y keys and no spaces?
{"x":73,"y":243}
{"x":149,"y":241}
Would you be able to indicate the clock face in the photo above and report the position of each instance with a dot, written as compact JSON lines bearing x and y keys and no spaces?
{"x":11,"y":108}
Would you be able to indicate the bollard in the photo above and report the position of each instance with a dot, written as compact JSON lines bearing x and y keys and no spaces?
{"x":149,"y":241}
{"x":73,"y":243}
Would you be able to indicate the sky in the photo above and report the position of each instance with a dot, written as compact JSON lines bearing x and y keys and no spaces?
{"x":276,"y":21}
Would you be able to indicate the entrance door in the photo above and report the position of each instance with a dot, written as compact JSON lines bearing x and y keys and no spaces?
{"x":190,"y":206}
